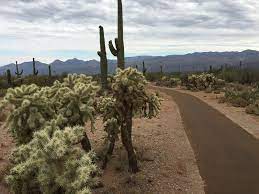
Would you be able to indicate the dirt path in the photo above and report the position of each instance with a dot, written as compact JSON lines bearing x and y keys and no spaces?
{"x":227,"y":155}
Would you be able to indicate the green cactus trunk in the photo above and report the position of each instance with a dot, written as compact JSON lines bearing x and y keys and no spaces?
{"x":35,"y":72}
{"x":161,"y":69}
{"x":144,"y":69}
{"x":17,"y":72}
{"x":9,"y":77}
{"x":50,"y":73}
{"x":118,"y":50}
{"x":210,"y":69}
{"x":103,"y":59}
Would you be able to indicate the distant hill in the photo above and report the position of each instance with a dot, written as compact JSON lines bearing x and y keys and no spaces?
{"x":171,"y":63}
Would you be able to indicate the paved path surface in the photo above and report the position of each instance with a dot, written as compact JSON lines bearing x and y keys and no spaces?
{"x":227,"y":156}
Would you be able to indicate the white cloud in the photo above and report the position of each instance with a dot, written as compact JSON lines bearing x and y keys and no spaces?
{"x":151,"y":27}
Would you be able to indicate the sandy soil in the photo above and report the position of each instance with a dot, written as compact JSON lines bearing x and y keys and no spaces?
{"x":166,"y":159}
{"x":238,"y":115}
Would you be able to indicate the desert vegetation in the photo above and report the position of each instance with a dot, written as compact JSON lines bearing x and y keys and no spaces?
{"x":46,"y":117}
{"x":239,"y":86}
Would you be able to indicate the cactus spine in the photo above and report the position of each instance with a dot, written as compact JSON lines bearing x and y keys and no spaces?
{"x":9,"y":77}
{"x":119,"y":43}
{"x":50,"y":73}
{"x":144,"y":69}
{"x":35,"y":72}
{"x":17,"y":72}
{"x":103,"y":59}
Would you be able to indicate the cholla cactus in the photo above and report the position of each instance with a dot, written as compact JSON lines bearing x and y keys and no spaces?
{"x":73,"y":99}
{"x":241,"y":96}
{"x":204,"y":81}
{"x":130,"y":99}
{"x":33,"y":106}
{"x":30,"y":109}
{"x":52,"y":163}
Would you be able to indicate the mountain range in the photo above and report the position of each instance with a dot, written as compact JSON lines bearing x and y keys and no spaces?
{"x":198,"y":61}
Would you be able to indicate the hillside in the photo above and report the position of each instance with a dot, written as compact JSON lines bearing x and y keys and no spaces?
{"x":171,"y":63}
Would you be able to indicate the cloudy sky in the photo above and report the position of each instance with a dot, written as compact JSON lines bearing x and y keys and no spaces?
{"x":51,"y":29}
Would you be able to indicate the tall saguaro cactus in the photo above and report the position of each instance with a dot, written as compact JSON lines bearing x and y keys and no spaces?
{"x":9,"y":77}
{"x":35,"y":72}
{"x":17,"y":72}
{"x":103,"y":59}
{"x":161,"y":69}
{"x":50,"y":73}
{"x":118,"y":50}
{"x":144,"y":69}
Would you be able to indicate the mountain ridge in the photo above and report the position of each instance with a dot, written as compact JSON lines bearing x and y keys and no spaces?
{"x":197,"y":61}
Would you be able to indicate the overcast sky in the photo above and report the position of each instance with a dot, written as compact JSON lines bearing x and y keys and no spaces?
{"x":62,"y":29}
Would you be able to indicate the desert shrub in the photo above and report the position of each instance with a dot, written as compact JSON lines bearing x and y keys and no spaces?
{"x":168,"y":81}
{"x":52,"y":163}
{"x":203,"y":81}
{"x":184,"y":79}
{"x":240,"y":96}
{"x":3,"y":92}
{"x":152,"y":77}
{"x":242,"y":76}
{"x":129,"y":98}
{"x":253,"y":108}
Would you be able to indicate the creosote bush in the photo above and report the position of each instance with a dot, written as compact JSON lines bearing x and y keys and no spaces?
{"x":129,"y":98}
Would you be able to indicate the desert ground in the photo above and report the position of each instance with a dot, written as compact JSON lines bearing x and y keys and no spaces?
{"x":167,"y":161}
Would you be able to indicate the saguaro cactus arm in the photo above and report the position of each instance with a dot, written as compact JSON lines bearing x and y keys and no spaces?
{"x":17,"y":70}
{"x":114,"y":50}
{"x":118,"y":49}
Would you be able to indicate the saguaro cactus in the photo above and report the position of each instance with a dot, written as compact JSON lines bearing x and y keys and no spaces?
{"x":35,"y":72}
{"x":9,"y":77}
{"x":119,"y":43}
{"x":161,"y":69}
{"x":17,"y":72}
{"x":103,"y":59}
{"x":210,"y":68}
{"x":144,"y":69}
{"x":50,"y":73}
